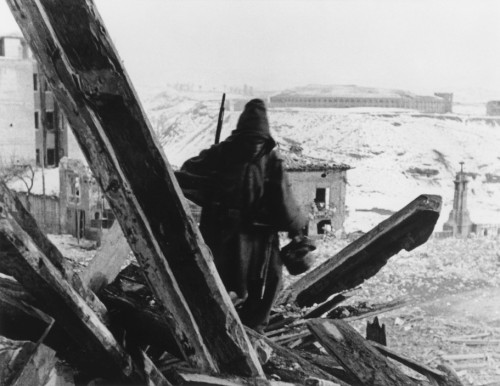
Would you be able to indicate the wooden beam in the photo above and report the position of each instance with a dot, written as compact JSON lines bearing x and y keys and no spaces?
{"x":29,"y":225}
{"x":75,"y":52}
{"x":427,"y":371}
{"x":283,"y":360}
{"x":22,"y":259}
{"x":406,"y":229}
{"x":359,"y":359}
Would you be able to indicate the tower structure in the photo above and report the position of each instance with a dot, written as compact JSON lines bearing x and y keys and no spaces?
{"x":459,"y":221}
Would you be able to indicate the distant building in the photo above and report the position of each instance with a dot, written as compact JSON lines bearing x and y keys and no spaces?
{"x":318,"y":96}
{"x":459,"y":223}
{"x":320,"y":189}
{"x":83,"y":210}
{"x":32,"y":126}
{"x":17,"y":105}
{"x":493,"y":108}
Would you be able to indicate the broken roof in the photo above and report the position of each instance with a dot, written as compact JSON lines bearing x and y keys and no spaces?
{"x":295,"y":161}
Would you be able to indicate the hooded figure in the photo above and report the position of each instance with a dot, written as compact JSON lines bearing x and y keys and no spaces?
{"x":245,"y":197}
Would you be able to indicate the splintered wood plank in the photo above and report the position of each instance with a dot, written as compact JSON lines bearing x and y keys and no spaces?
{"x":29,"y":225}
{"x":360,"y":260}
{"x":361,"y":361}
{"x":429,"y":372}
{"x":75,"y":52}
{"x":22,"y":259}
{"x":289,"y":365}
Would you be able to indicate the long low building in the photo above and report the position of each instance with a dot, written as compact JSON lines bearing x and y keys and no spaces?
{"x":354,"y":96}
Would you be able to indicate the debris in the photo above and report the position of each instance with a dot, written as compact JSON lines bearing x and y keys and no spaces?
{"x":376,"y":332}
{"x":347,"y":346}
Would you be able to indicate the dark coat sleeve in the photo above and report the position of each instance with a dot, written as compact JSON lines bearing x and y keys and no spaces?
{"x":195,"y":176}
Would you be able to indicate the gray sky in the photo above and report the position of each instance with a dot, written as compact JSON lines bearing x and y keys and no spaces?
{"x":421,"y":45}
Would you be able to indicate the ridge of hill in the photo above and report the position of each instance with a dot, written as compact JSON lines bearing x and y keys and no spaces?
{"x":395,"y":154}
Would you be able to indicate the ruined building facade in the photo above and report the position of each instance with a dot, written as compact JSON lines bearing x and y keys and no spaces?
{"x":320,"y":189}
{"x":32,"y":127}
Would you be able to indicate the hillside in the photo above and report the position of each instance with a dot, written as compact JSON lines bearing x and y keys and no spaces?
{"x":395,"y":154}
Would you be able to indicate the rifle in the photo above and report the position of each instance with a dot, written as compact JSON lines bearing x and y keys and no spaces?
{"x":220,"y":120}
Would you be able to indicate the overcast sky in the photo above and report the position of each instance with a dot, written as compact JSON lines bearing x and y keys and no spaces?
{"x":428,"y":45}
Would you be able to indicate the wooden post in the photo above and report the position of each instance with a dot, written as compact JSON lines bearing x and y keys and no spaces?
{"x":73,"y":48}
{"x":406,"y":229}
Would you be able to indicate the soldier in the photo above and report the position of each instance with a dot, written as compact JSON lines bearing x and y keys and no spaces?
{"x":246,"y":199}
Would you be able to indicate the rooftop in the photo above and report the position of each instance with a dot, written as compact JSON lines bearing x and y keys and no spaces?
{"x":350,"y":91}
{"x":295,"y":161}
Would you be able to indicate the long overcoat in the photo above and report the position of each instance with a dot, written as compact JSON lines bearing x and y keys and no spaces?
{"x":246,"y":199}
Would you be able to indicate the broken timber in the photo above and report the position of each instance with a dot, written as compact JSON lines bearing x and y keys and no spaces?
{"x":348,"y":347}
{"x":21,"y":258}
{"x":14,"y":206}
{"x":406,"y":229}
{"x":72,"y":46}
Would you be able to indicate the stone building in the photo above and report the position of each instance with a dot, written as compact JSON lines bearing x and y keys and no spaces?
{"x":83,"y":210}
{"x":320,"y":189}
{"x":317,"y":96}
{"x":17,"y":105}
{"x":459,"y":223}
{"x":32,"y":127}
{"x":493,"y":108}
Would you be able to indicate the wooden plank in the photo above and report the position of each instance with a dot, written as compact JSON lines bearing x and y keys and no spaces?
{"x":429,"y":372}
{"x":21,"y":258}
{"x":324,"y":307}
{"x":378,"y":309}
{"x":108,"y":260}
{"x":289,"y":365}
{"x":75,"y":52}
{"x":406,"y":229}
{"x":29,"y":225}
{"x":359,"y":359}
{"x":190,"y":378}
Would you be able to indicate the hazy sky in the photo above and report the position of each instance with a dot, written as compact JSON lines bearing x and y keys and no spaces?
{"x":428,"y":45}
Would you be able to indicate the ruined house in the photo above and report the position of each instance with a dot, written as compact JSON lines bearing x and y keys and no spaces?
{"x":83,"y":210}
{"x":320,"y":188}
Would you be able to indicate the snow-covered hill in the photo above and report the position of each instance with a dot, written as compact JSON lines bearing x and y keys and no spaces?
{"x":395,"y":154}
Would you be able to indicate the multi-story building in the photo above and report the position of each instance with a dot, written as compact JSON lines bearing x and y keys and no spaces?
{"x":493,"y":108}
{"x":318,"y":96}
{"x":32,"y":127}
{"x":17,"y":105}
